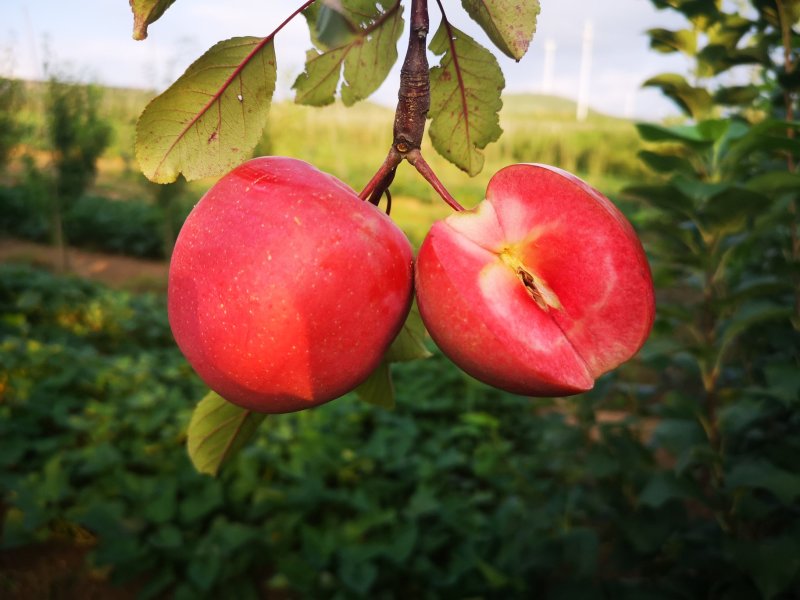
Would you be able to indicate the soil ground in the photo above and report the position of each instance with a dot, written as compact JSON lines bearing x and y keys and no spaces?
{"x":114,"y":270}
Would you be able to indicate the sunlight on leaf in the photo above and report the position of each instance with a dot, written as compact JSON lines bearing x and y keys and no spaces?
{"x":465,"y":98}
{"x":359,"y":41}
{"x":217,"y":431}
{"x":696,"y":102}
{"x":146,"y":12}
{"x":666,"y":41}
{"x":211,"y":118}
{"x":510,"y":24}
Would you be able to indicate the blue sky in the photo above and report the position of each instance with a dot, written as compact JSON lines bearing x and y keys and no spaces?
{"x":95,"y":43}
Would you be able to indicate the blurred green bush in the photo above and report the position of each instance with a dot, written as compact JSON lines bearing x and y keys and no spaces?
{"x":462,"y":491}
{"x":131,"y":227}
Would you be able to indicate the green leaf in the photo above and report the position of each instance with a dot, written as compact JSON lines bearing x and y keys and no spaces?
{"x":666,"y":197}
{"x":772,"y":563}
{"x":729,"y":209}
{"x":664,"y":486}
{"x":378,"y":388}
{"x":211,"y":118}
{"x":410,"y":342}
{"x":698,"y":191}
{"x":714,"y":129}
{"x":700,"y":12}
{"x":465,"y":98}
{"x":775,"y":182}
{"x":217,"y":431}
{"x":316,"y":86}
{"x":683,"y":438}
{"x":784,"y":383}
{"x":146,"y":12}
{"x":665,"y":163}
{"x":364,"y":56}
{"x":331,"y":28}
{"x":683,"y":134}
{"x":717,"y":58}
{"x":736,"y":95}
{"x":664,"y":40}
{"x":729,"y":30}
{"x":694,"y":101}
{"x":357,"y":574}
{"x":493,"y":576}
{"x":762,"y":474}
{"x":167,"y":536}
{"x":746,"y":317}
{"x":581,"y":549}
{"x":509,"y":24}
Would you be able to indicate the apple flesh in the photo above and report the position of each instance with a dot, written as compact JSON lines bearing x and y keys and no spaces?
{"x":540,"y":289}
{"x":285,"y":288}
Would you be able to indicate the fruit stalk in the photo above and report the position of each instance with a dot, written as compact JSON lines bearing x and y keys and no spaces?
{"x":413,"y":103}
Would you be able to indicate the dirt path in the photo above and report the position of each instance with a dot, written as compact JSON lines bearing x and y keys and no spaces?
{"x":112,"y":269}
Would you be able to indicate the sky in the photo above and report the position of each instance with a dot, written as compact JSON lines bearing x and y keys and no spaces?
{"x":94,"y":43}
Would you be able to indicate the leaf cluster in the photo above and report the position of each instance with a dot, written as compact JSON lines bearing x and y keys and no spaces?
{"x":212,"y":117}
{"x":720,"y":40}
{"x":719,"y":220}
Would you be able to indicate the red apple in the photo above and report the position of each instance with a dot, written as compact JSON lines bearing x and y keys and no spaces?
{"x":285,"y":288}
{"x":540,"y":289}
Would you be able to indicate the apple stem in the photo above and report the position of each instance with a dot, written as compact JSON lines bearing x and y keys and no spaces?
{"x":415,"y":158}
{"x":413,"y":103}
{"x":382,"y":179}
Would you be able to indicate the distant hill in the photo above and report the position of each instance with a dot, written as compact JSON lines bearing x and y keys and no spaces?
{"x":524,"y":106}
{"x":516,"y":106}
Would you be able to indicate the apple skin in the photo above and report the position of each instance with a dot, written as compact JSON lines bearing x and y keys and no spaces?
{"x":285,"y":288}
{"x":540,"y":289}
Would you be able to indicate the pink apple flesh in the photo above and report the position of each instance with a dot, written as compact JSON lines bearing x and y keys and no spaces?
{"x":286,"y":289}
{"x":540,"y":289}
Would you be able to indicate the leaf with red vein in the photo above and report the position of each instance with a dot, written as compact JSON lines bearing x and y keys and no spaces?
{"x":211,"y":118}
{"x":510,"y":24}
{"x":465,"y":98}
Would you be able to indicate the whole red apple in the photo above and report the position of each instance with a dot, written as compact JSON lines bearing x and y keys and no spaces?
{"x":540,"y":289}
{"x":285,"y":288}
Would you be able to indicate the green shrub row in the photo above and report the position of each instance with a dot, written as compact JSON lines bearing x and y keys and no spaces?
{"x":462,"y":491}
{"x":130,"y":227}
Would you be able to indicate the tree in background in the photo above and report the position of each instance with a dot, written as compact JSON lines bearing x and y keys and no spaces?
{"x":11,"y":130}
{"x":722,"y":229}
{"x":78,"y":135}
{"x":167,"y":198}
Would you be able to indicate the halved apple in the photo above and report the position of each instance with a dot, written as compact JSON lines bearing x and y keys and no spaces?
{"x":541,"y":289}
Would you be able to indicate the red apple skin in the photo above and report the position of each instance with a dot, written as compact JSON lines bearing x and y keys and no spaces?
{"x":588,"y":304}
{"x":285,"y":289}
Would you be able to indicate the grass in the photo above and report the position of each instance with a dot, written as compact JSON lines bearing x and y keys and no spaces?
{"x":352,"y":142}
